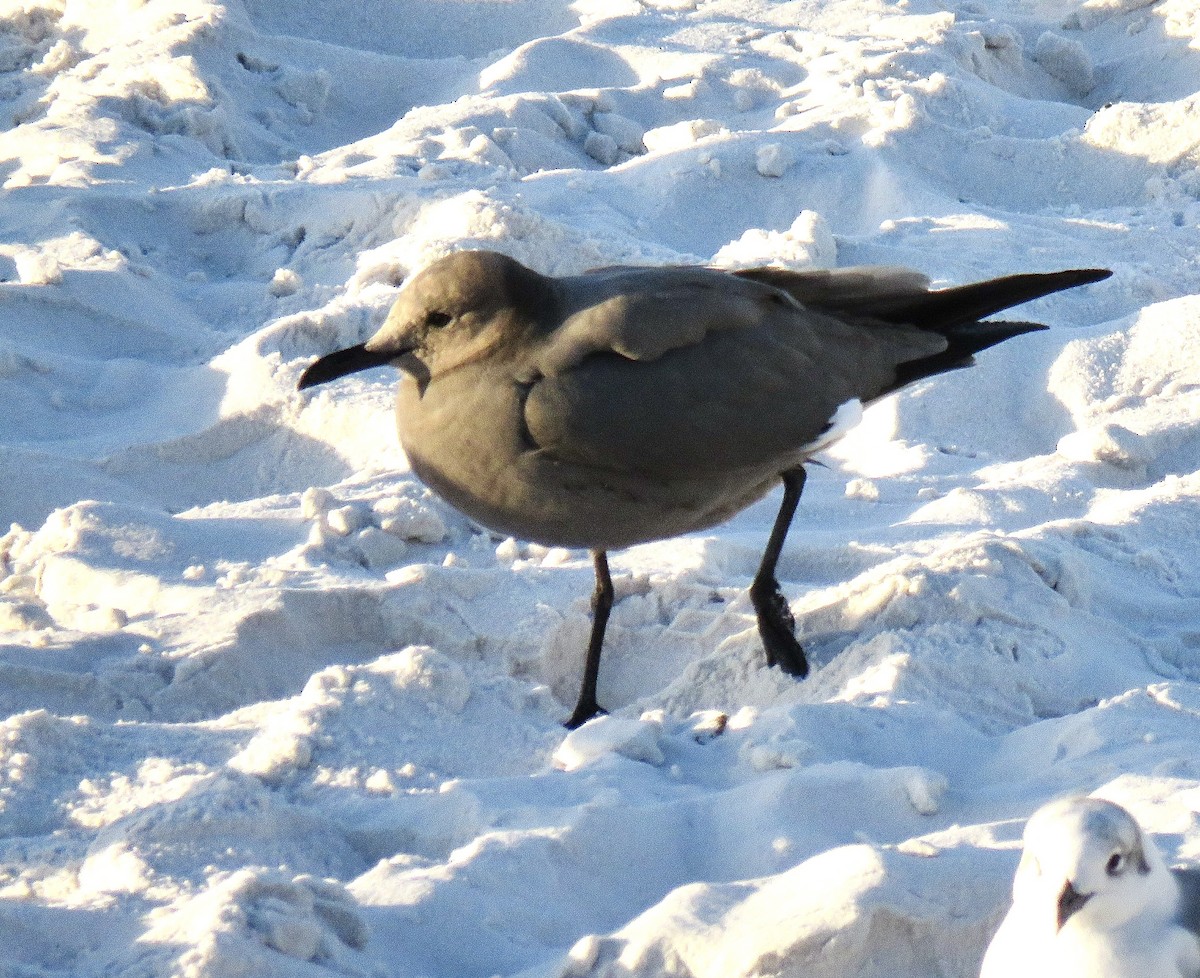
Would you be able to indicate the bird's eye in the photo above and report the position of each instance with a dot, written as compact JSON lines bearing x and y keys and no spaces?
{"x":437,"y":320}
{"x":1116,"y":863}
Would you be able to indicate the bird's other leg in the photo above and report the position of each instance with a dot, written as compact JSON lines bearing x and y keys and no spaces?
{"x":602,"y":602}
{"x":775,"y":622}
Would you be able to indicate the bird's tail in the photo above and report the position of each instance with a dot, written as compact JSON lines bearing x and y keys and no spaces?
{"x":956,"y":314}
{"x":900,"y":297}
{"x":946,"y":311}
{"x":965,"y":341}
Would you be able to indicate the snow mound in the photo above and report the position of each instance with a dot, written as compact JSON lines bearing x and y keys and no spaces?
{"x":271,"y":707}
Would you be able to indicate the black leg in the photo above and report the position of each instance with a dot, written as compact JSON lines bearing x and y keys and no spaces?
{"x":775,"y":622}
{"x":602,"y":601}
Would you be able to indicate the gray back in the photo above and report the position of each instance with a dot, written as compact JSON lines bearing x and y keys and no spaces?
{"x":1189,"y":898}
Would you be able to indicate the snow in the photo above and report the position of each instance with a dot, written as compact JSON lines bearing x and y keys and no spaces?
{"x":272,"y":708}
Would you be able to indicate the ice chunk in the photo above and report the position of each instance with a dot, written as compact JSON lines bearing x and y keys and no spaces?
{"x":1067,"y":60}
{"x":773,"y":159}
{"x":635,"y":739}
{"x":602,"y":148}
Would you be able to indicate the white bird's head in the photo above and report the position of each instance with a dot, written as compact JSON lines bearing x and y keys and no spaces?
{"x":1088,"y":864}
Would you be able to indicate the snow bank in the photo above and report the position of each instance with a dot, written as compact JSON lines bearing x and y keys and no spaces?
{"x":272,"y":708}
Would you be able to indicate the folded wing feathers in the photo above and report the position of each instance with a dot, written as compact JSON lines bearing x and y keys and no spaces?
{"x":857,"y":290}
{"x":898,"y":297}
{"x":1188,"y":913}
{"x":945,"y":309}
{"x":901,"y":296}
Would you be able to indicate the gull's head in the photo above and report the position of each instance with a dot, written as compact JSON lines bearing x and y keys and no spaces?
{"x":460,"y":309}
{"x":1087,"y":864}
{"x":463,"y":308}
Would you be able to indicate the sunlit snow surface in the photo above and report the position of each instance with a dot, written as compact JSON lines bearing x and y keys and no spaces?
{"x":274,"y":710}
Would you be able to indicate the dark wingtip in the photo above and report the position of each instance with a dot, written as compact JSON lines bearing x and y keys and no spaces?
{"x":1082,"y":276}
{"x":966,"y":304}
{"x":342,"y":362}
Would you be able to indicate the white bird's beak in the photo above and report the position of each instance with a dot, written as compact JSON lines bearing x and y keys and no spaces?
{"x":1070,"y":902}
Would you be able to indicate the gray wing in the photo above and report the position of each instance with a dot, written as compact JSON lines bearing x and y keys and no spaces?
{"x":1189,"y":898}
{"x":868,"y":290}
{"x":747,"y":397}
{"x":641,"y":313}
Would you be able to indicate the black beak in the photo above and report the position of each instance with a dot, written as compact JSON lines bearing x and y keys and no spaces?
{"x":343,"y":362}
{"x":1069,"y":902}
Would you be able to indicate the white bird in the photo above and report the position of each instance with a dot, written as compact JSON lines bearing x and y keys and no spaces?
{"x":1093,"y":898}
